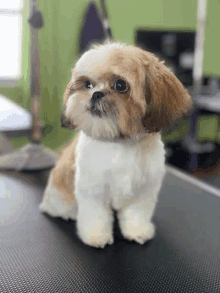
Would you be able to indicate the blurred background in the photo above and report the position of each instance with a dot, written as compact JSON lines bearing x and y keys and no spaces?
{"x":166,"y":28}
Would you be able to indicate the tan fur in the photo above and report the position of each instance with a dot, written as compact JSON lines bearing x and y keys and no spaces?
{"x":129,"y":117}
{"x":169,"y":99}
{"x":63,"y":173}
{"x":166,"y":97}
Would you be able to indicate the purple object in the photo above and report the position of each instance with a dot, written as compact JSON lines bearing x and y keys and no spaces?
{"x":92,"y":29}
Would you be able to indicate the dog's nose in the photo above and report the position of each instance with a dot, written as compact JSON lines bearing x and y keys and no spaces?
{"x":97,"y":96}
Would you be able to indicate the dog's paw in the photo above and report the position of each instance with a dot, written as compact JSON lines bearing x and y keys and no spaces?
{"x":65,"y":212}
{"x":95,"y":234}
{"x":99,"y":241}
{"x":140,"y":234}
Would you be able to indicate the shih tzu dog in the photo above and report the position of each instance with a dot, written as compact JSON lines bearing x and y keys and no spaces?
{"x":119,"y":98}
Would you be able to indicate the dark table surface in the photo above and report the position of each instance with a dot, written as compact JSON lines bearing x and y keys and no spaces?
{"x":43,"y":254}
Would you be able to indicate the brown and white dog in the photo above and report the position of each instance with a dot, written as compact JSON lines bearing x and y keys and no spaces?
{"x":119,"y":98}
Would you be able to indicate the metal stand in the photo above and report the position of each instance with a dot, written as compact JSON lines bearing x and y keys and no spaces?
{"x":33,"y":156}
{"x":5,"y":145}
{"x":190,"y":140}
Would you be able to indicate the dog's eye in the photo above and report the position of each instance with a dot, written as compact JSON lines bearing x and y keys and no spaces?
{"x":121,"y":86}
{"x":89,"y":85}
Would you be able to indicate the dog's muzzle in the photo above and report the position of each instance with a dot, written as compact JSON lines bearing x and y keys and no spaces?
{"x":101,"y":106}
{"x":95,"y":108}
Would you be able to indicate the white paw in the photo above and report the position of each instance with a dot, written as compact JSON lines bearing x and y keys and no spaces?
{"x":65,"y":212}
{"x":140,"y":234}
{"x":95,"y":234}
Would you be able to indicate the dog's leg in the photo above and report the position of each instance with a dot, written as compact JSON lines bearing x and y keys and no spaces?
{"x":57,"y":203}
{"x":95,"y":225}
{"x":59,"y":200}
{"x":135,"y":218}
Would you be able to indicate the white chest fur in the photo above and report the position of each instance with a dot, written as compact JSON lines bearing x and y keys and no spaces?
{"x":117,"y":172}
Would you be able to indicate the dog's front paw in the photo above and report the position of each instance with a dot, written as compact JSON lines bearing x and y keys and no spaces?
{"x":95,"y":234}
{"x":140,"y":234}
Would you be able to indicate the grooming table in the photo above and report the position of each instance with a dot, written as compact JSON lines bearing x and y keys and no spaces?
{"x":13,"y":116}
{"x":43,"y":254}
{"x":14,"y":121}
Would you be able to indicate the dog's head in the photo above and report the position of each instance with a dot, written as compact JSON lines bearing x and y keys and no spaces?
{"x":120,"y":90}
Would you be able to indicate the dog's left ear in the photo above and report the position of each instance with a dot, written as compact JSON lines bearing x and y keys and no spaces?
{"x":167,"y":99}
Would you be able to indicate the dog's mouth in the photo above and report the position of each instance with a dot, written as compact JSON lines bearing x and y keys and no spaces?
{"x":101,"y":108}
{"x":96,"y":110}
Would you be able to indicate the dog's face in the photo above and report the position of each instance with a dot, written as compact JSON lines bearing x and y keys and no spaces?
{"x":119,"y":91}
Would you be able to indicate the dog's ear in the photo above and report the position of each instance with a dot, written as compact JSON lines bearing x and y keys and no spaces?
{"x":166,"y":97}
{"x":64,"y":121}
{"x":69,"y":88}
{"x":67,"y":92}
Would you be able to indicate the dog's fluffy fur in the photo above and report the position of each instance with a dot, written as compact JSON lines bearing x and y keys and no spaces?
{"x":117,"y":160}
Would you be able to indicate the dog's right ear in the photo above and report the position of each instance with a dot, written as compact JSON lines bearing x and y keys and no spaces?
{"x":69,"y":88}
{"x":64,"y":121}
{"x":67,"y":92}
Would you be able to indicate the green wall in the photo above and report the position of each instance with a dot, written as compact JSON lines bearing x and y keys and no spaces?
{"x":59,"y":43}
{"x":212,"y":39}
{"x":127,"y":16}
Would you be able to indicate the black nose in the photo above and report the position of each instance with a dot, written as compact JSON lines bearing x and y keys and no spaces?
{"x":97,"y":96}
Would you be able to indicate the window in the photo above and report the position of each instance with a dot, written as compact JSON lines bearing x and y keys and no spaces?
{"x":10,"y":41}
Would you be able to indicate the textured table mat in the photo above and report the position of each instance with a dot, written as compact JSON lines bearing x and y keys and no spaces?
{"x":42,"y":254}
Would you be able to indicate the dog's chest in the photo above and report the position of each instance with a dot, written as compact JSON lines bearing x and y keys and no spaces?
{"x":114,"y":171}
